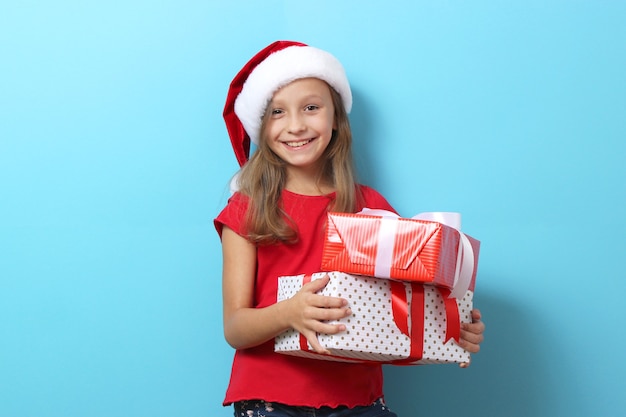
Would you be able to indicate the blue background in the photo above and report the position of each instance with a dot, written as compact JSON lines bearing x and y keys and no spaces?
{"x":114,"y":160}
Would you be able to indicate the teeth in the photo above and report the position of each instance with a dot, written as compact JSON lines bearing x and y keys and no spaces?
{"x":297,"y":144}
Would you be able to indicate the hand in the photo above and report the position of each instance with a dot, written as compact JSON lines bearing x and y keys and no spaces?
{"x":472,"y":335}
{"x":310,"y":311}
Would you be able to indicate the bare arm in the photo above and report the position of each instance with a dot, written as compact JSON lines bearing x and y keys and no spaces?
{"x":246,"y":326}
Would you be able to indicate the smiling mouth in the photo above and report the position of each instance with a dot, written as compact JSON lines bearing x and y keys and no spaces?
{"x":298,"y":144}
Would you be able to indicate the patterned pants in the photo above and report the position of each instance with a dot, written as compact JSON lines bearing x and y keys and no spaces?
{"x":266,"y":409}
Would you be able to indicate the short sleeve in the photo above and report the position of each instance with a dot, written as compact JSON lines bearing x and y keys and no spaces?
{"x":233,"y":215}
{"x":374,"y":200}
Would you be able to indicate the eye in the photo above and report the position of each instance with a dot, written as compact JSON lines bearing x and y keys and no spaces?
{"x":276,"y":112}
{"x":311,"y":107}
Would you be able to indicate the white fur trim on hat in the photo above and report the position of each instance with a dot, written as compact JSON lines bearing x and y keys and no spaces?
{"x":278,"y":70}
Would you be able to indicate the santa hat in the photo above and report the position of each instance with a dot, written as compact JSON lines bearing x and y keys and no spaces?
{"x":272,"y":68}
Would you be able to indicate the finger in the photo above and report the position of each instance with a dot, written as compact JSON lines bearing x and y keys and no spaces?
{"x":328,"y":314}
{"x":325,"y":320}
{"x":476,"y":315}
{"x":311,"y":337}
{"x":324,"y":301}
{"x":465,"y":364}
{"x":476,"y":328}
{"x":321,"y":328}
{"x":472,"y":332}
{"x":472,"y":337}
{"x":469,"y":347}
{"x":316,"y":284}
{"x":326,"y":328}
{"x":319,"y":300}
{"x":470,"y":342}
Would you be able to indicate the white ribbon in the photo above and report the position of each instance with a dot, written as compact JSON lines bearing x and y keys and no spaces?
{"x":384,"y":254}
{"x":465,"y":255}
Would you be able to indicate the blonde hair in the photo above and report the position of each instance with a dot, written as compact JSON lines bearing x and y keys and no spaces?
{"x":263,"y":179}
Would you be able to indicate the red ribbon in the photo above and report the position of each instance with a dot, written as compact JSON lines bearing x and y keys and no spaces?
{"x":453,"y":322}
{"x":399,"y":305}
{"x":400,"y":310}
{"x":304,"y":344}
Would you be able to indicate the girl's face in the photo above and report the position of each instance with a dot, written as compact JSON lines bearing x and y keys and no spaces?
{"x":301,"y":122}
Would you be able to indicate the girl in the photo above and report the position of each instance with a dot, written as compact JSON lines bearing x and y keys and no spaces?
{"x":292,"y":101}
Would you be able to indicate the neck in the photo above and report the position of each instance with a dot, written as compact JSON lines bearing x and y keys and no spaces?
{"x":306,"y":183}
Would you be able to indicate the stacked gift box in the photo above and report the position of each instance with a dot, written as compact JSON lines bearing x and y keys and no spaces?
{"x":408,"y":282}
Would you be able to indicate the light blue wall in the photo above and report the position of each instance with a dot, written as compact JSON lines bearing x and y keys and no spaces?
{"x":114,"y":160}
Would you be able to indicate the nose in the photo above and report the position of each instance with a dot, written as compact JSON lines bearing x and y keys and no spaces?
{"x":296,"y":123}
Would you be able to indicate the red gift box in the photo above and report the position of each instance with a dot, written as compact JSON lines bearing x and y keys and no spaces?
{"x":383,"y":245}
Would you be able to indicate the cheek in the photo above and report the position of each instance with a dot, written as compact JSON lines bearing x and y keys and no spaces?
{"x":333,"y":122}
{"x":332,"y":126}
{"x":271,"y":129}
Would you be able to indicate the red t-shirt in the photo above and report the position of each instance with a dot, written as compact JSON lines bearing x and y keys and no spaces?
{"x":259,"y":373}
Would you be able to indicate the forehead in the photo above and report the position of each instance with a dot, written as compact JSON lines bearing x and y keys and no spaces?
{"x":303,"y":87}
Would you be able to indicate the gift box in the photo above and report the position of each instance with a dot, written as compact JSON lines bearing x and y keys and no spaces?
{"x":400,"y":323}
{"x":381,"y":244}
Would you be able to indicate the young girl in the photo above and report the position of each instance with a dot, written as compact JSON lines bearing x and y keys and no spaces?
{"x":292,"y":101}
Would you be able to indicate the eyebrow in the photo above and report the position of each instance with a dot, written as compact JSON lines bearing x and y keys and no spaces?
{"x":312,"y":95}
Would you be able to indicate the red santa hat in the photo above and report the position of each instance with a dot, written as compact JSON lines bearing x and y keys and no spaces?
{"x":270,"y":69}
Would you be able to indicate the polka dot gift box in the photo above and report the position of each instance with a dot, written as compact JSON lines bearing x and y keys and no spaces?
{"x":392,"y":322}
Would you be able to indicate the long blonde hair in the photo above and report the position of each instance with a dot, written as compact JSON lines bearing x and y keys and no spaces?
{"x":264,"y":176}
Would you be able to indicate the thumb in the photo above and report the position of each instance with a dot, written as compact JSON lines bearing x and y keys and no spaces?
{"x":317,"y":284}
